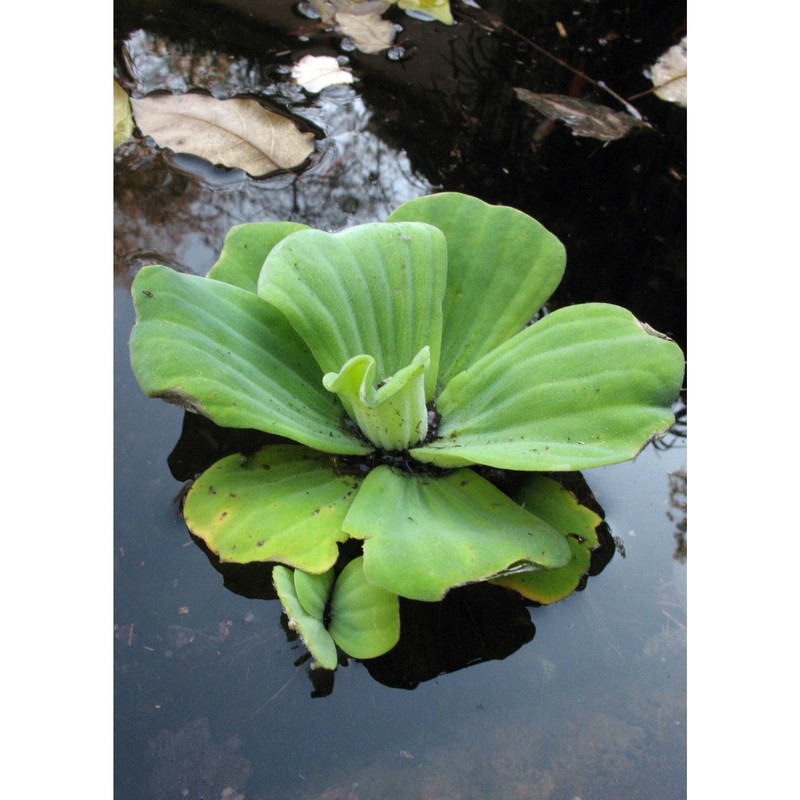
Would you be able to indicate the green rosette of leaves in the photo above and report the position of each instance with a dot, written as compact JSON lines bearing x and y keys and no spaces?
{"x":397,"y":356}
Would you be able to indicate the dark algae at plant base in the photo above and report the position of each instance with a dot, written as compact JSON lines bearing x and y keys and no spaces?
{"x":401,"y":349}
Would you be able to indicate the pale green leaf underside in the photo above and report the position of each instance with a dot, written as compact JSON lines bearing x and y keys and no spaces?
{"x":555,"y":504}
{"x":221,"y":351}
{"x":374,"y":289}
{"x":583,"y":387}
{"x":424,"y":535}
{"x":313,"y":590}
{"x":365,"y":619}
{"x":284,"y":504}
{"x":318,"y":641}
{"x":502,"y":265}
{"x":245,"y":250}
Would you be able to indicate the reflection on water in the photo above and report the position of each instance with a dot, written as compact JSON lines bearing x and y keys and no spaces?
{"x":213,"y":698}
{"x":176,"y":210}
{"x":593,"y":706}
{"x":677,"y":500}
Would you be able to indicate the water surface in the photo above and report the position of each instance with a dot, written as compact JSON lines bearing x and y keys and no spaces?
{"x":212,"y":697}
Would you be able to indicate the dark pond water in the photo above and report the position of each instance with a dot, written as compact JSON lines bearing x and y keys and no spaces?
{"x":583,"y":699}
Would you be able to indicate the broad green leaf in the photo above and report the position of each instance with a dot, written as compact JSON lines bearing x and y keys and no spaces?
{"x":220,"y":351}
{"x":285,"y":504}
{"x":502,"y":265}
{"x":423,"y":535}
{"x":238,"y":132}
{"x":313,"y":591}
{"x":123,"y":121}
{"x":374,"y":289}
{"x":245,"y":249}
{"x":318,"y":641}
{"x":585,"y":386}
{"x":365,"y":619}
{"x":555,"y":504}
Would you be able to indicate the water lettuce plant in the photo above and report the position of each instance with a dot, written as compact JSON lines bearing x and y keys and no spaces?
{"x":396,"y":361}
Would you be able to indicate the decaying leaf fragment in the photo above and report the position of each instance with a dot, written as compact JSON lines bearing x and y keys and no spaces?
{"x":314,"y":73}
{"x":669,"y":74}
{"x":329,"y":10}
{"x":237,"y":132}
{"x":123,"y":122}
{"x":584,"y":118}
{"x":369,"y":32}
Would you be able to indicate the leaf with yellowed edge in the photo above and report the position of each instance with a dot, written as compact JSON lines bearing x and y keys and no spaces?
{"x":285,"y":503}
{"x":123,"y":121}
{"x":237,"y":132}
{"x":424,"y":535}
{"x":552,"y":502}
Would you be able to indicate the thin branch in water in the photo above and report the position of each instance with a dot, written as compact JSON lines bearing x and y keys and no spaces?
{"x":496,"y":24}
{"x":655,"y":88}
{"x":278,"y":692}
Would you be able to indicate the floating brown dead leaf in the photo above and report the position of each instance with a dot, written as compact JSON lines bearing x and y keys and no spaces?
{"x":369,"y":32}
{"x":235,"y":133}
{"x":584,"y":118}
{"x":669,"y":74}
